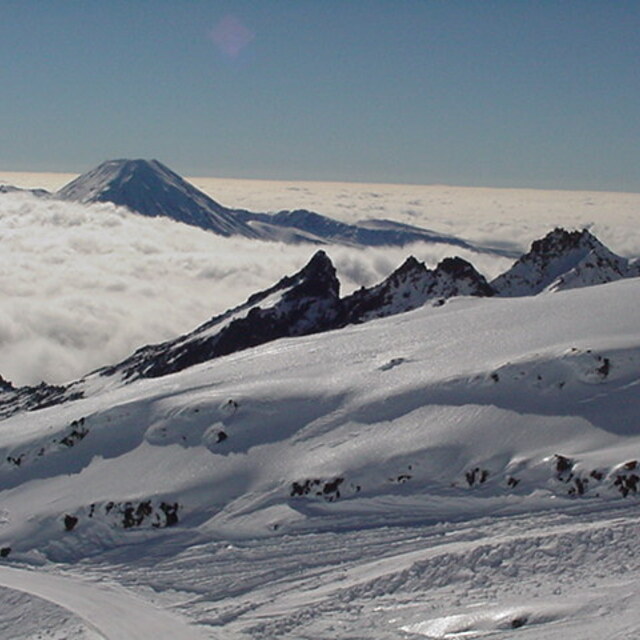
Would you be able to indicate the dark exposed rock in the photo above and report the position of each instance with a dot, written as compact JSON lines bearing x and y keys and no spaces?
{"x":4,"y":552}
{"x":626,"y":483}
{"x":476,"y":476}
{"x":412,"y":285}
{"x":29,"y":398}
{"x":328,"y":489}
{"x":516,"y":623}
{"x":307,"y":302}
{"x":16,"y":460}
{"x":78,"y":432}
{"x":562,"y":260}
{"x":171,"y":513}
{"x":70,"y":522}
{"x":605,"y":368}
{"x":129,"y":515}
{"x":564,"y":465}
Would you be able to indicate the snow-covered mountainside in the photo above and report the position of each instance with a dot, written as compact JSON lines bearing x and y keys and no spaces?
{"x":151,"y":189}
{"x":562,"y":260}
{"x":414,"y":407}
{"x":351,"y":481}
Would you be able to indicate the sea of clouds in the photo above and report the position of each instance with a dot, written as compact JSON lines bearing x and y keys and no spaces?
{"x":83,"y":286}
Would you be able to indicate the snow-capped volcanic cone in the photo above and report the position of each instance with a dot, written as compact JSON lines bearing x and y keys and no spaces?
{"x":151,"y":189}
{"x":411,"y":285}
{"x":562,"y":260}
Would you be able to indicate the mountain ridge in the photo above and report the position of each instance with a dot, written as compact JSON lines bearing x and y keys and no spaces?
{"x":309,"y":302}
{"x":150,"y":188}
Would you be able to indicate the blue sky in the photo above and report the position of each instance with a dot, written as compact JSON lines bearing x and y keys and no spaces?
{"x":493,"y":93}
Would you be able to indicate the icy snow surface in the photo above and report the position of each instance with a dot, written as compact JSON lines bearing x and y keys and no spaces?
{"x":465,"y":471}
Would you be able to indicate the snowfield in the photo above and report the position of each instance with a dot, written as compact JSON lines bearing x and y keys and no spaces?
{"x":462,"y":471}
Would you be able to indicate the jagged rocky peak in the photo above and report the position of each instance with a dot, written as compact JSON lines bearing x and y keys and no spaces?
{"x":561,"y":260}
{"x":319,"y":276}
{"x":6,"y":385}
{"x":150,"y":188}
{"x":560,"y":241}
{"x":411,"y":285}
{"x":462,"y":278}
{"x":304,"y":303}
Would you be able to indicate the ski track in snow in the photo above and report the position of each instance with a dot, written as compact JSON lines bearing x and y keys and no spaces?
{"x":111,"y":611}
{"x":555,"y":574}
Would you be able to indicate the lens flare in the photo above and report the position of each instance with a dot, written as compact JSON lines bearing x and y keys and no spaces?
{"x":231,"y":36}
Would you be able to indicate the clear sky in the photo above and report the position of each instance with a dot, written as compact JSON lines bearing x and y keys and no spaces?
{"x":540,"y":93}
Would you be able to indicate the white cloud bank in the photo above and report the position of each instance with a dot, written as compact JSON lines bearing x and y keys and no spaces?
{"x":81,"y":287}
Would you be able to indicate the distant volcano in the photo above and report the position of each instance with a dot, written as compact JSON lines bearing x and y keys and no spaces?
{"x":150,"y":188}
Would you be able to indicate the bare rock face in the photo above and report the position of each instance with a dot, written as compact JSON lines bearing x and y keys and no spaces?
{"x":561,"y":260}
{"x":307,"y":302}
{"x":412,"y":285}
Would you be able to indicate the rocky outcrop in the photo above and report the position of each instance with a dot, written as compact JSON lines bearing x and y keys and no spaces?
{"x":562,"y":260}
{"x":307,"y":302}
{"x":412,"y":285}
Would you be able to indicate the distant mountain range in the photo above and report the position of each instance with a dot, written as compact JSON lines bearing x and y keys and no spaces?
{"x":309,"y":302}
{"x":149,"y":188}
{"x":9,"y":188}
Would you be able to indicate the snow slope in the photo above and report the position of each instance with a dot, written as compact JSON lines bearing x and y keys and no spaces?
{"x":396,"y":419}
{"x":464,"y":469}
{"x":65,"y":608}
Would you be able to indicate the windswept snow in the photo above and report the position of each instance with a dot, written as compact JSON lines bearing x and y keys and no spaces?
{"x":470,"y":470}
{"x":56,"y":606}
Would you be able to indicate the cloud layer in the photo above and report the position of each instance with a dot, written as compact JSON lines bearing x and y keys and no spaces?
{"x":83,"y":286}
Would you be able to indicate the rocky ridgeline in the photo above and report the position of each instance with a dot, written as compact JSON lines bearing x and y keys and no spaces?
{"x":562,"y":260}
{"x":411,"y":286}
{"x":309,"y":302}
{"x":29,"y":398}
